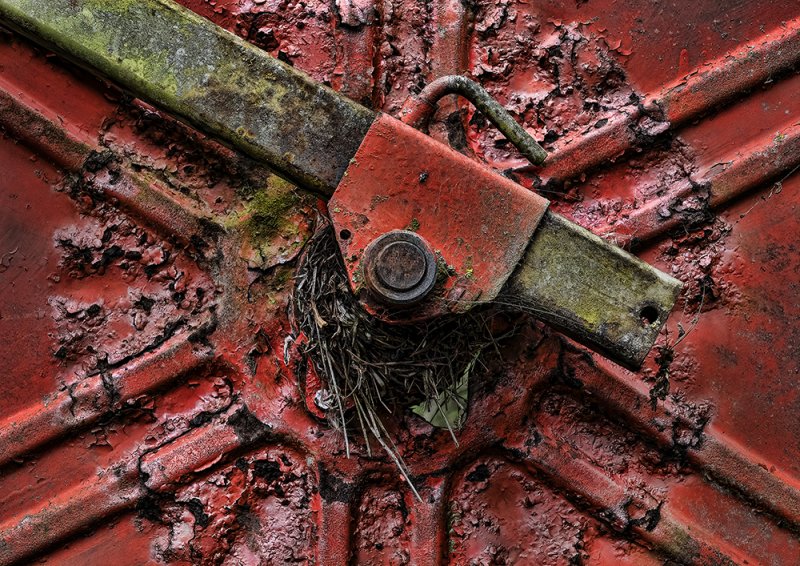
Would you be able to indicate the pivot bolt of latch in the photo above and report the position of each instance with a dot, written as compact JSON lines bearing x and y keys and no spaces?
{"x":399,"y":268}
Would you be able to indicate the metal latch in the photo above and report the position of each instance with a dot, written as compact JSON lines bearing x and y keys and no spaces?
{"x":470,"y":225}
{"x":487,"y":238}
{"x":426,"y":231}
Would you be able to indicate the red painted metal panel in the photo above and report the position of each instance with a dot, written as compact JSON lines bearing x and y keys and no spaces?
{"x":148,"y":413}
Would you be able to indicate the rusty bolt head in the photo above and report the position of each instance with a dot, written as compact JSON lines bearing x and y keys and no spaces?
{"x":400,"y":268}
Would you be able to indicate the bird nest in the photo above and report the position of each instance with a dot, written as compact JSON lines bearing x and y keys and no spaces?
{"x":372,"y":369}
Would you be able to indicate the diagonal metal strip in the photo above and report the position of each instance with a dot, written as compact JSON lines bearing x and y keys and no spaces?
{"x":188,"y":66}
{"x":710,"y":87}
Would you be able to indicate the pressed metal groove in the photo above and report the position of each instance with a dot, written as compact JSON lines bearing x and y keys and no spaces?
{"x":718,"y":82}
{"x":207,"y":76}
{"x":119,"y":489}
{"x":85,"y":401}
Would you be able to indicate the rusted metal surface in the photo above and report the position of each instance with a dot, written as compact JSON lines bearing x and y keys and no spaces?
{"x":176,"y":72}
{"x":180,"y":435}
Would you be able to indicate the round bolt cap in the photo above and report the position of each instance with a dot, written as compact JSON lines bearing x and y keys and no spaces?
{"x":400,"y":268}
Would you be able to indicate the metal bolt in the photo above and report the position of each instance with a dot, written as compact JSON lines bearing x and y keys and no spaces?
{"x":400,"y":268}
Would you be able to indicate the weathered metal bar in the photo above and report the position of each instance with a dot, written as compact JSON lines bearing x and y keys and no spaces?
{"x":189,"y":67}
{"x":593,"y":291}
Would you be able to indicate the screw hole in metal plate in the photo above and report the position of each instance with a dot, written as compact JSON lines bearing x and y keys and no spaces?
{"x":649,"y":315}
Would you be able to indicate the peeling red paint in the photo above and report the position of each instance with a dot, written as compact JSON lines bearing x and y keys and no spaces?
{"x":150,"y":413}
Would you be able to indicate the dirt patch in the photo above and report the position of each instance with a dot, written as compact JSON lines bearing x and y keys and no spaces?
{"x":381,"y":534}
{"x":500,"y":514}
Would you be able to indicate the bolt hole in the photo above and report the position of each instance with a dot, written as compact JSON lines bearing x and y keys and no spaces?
{"x":648,"y":315}
{"x":345,"y":234}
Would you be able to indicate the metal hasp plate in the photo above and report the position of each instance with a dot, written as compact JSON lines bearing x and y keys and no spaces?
{"x":480,"y":225}
{"x":477,"y":222}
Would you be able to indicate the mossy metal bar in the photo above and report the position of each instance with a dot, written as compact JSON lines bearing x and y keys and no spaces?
{"x":597,"y":293}
{"x":184,"y":64}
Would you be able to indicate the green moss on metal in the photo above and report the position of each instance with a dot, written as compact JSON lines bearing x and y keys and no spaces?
{"x":94,"y":30}
{"x":267,"y":212}
{"x":592,"y":290}
{"x":469,"y":271}
{"x":566,"y":277}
